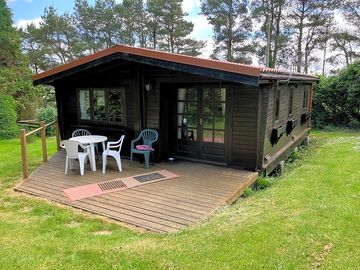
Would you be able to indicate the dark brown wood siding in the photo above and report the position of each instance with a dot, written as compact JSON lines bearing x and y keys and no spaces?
{"x":244,"y":126}
{"x":270,"y":151}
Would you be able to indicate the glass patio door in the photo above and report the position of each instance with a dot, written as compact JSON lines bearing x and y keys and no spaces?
{"x":201,"y":116}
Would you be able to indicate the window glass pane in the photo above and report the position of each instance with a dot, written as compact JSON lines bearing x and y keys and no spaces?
{"x":192,"y":120}
{"x":99,"y":105}
{"x":208,"y":122}
{"x":116,"y":103}
{"x":192,"y":107}
{"x":220,"y":94}
{"x":306,"y":97}
{"x":192,"y":94}
{"x":207,"y":135}
{"x":185,"y":133}
{"x":219,"y":136}
{"x":180,"y":107}
{"x":84,"y":101}
{"x":181,"y":93}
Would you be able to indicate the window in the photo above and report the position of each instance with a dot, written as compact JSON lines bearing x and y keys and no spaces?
{"x":306,"y":98}
{"x":277,"y":104}
{"x":102,"y":105}
{"x":291,"y":98}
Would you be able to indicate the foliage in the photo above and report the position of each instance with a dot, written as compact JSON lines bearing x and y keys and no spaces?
{"x":312,"y":207}
{"x":248,"y":192}
{"x":15,"y":76}
{"x":231,"y":27}
{"x":48,"y":115}
{"x":90,"y":28}
{"x":337,"y":98}
{"x":8,"y":127}
{"x":262,"y":183}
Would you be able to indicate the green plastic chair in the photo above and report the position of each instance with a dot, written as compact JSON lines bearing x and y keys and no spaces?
{"x":147,"y":137}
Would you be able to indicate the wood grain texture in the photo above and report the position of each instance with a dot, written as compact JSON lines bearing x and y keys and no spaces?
{"x":164,"y":206}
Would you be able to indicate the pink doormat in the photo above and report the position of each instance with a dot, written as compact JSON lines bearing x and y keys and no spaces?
{"x":96,"y":189}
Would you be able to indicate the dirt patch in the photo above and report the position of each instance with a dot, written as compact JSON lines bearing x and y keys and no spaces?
{"x":322,"y":256}
{"x":103,"y":232}
{"x":73,"y":224}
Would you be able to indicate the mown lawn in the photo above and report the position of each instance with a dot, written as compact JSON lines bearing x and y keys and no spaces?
{"x":309,"y":218}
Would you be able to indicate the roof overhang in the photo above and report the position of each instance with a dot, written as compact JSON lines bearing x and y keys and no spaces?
{"x":211,"y":68}
{"x":221,"y":70}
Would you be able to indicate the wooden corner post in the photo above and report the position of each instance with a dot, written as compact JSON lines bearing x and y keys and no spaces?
{"x":43,"y":140}
{"x":25,"y":166}
{"x":57,"y":133}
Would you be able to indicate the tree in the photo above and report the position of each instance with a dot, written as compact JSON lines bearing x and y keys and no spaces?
{"x":351,"y":10}
{"x":15,"y":76}
{"x":270,"y":13}
{"x":59,"y":34}
{"x":308,"y":20}
{"x":135,"y":20}
{"x":344,"y":43}
{"x":176,"y":30}
{"x":154,"y":25}
{"x":231,"y":26}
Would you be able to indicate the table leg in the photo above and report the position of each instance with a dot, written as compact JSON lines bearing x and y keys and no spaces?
{"x":103,"y":146}
{"x":92,"y":158}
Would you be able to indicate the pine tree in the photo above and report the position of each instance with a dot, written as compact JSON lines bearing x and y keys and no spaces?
{"x":232,"y":28}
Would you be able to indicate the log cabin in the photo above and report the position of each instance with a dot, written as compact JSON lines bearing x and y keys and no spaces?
{"x":209,"y":111}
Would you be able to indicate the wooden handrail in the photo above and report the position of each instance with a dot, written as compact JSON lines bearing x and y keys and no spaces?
{"x":42,"y":129}
{"x":33,"y":131}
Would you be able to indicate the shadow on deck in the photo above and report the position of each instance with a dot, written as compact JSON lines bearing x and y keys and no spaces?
{"x":163,"y":206}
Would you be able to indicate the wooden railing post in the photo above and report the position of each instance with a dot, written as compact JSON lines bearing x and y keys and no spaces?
{"x":43,"y":140}
{"x":25,"y":166}
{"x":57,"y":133}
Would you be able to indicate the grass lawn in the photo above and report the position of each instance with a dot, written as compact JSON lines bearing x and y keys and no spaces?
{"x":309,"y":218}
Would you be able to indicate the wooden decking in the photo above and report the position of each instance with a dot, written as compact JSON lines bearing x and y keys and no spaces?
{"x":164,"y":206}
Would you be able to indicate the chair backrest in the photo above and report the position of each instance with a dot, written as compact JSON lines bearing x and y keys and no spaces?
{"x":71,"y":147}
{"x":80,"y":132}
{"x":149,"y":136}
{"x":120,"y":142}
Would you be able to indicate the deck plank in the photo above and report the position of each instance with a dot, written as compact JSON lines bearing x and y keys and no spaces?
{"x":163,"y":206}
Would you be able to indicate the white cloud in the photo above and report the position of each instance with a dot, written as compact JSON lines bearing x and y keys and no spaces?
{"x":23,"y":22}
{"x":202,"y":31}
{"x":189,"y":5}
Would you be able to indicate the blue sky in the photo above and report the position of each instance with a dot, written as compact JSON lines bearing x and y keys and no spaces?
{"x":26,"y":11}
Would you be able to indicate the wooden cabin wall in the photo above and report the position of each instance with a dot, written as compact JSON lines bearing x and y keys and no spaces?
{"x":244,"y":126}
{"x":243,"y":102}
{"x":270,"y":154}
{"x":66,"y":92}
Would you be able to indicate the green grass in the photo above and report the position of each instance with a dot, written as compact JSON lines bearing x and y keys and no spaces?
{"x":308,"y":218}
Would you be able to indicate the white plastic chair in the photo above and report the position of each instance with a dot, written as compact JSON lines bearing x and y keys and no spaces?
{"x":72,"y":152}
{"x":80,"y":132}
{"x":113,"y":153}
{"x":84,"y":132}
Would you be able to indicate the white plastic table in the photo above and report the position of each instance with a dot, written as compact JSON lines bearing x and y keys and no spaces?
{"x":91,"y":140}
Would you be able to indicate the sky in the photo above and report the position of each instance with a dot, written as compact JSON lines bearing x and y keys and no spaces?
{"x":27,"y":11}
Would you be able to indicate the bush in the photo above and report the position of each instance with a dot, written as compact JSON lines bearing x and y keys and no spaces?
{"x":262,"y":183}
{"x":248,"y":192}
{"x":354,"y":124}
{"x":8,"y":126}
{"x":337,"y":99}
{"x":47,"y":115}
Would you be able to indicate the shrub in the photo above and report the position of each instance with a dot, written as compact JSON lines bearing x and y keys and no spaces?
{"x":262,"y":183}
{"x":337,"y":98}
{"x":47,"y":115}
{"x":248,"y":192}
{"x":354,"y":124}
{"x":8,"y":126}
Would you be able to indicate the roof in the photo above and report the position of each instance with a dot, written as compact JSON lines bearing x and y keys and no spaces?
{"x":184,"y":60}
